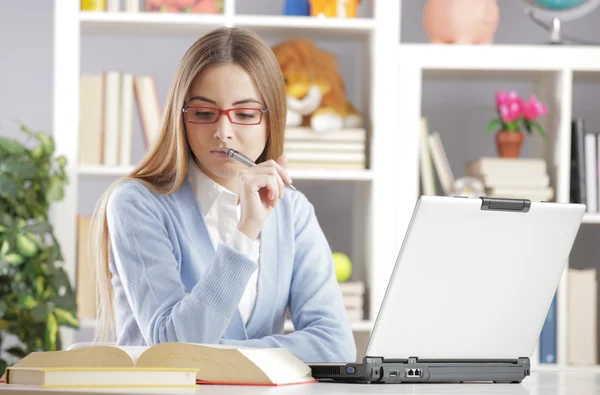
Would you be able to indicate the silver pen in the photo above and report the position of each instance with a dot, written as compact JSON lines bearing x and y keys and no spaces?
{"x":248,"y":162}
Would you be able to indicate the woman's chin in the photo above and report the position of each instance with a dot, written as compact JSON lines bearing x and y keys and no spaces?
{"x":224,"y":169}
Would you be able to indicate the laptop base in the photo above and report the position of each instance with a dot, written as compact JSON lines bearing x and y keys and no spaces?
{"x":376,"y":370}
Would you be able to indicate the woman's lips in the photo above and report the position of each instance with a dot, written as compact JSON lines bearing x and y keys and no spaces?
{"x":219,"y":154}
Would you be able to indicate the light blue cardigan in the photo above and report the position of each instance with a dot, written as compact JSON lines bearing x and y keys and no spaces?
{"x":171,"y":285}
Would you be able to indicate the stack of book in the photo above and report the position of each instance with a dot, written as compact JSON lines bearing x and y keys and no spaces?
{"x":336,"y":149}
{"x":106,"y":116}
{"x":517,"y":178}
{"x":353,"y":293}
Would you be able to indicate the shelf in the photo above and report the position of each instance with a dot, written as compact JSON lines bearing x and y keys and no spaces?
{"x":592,"y":218}
{"x":357,"y":326}
{"x":451,"y":59}
{"x":296,"y":174}
{"x":151,"y":23}
{"x":299,"y":24}
{"x":148,"y":23}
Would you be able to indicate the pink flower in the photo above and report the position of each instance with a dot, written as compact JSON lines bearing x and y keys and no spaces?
{"x":510,"y":106}
{"x":534,"y":109}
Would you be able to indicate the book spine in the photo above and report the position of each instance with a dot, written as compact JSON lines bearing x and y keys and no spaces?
{"x":578,"y":188}
{"x":548,"y":336}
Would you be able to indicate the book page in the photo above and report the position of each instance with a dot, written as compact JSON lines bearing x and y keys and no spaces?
{"x":85,"y":357}
{"x":134,"y":351}
{"x":279,"y":364}
{"x":215,"y":363}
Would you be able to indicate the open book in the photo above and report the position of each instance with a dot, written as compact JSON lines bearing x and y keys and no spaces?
{"x":215,"y":364}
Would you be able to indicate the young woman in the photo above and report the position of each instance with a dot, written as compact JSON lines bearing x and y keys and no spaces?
{"x":194,"y":246}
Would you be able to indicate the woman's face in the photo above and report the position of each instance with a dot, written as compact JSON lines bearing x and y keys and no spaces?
{"x":223,"y":87}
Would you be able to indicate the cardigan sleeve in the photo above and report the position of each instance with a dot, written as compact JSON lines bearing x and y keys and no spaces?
{"x":322,"y":330}
{"x":144,"y":260}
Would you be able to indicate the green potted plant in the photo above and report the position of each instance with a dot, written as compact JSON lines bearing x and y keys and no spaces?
{"x":514,"y":116}
{"x":36,"y":298}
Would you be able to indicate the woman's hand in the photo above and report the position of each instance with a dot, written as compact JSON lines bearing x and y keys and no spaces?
{"x":261,"y":186}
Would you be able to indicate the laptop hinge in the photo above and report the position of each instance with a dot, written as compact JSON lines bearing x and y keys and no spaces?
{"x":505,"y":204}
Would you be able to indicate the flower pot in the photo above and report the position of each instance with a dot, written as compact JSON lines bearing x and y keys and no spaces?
{"x":508,"y":143}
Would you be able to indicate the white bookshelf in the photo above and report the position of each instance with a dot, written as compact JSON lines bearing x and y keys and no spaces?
{"x":373,"y":191}
{"x":552,"y":71}
{"x":158,"y":24}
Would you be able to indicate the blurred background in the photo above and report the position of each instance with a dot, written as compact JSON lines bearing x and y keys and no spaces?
{"x":128,"y":37}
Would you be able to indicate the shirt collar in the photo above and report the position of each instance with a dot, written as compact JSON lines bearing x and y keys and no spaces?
{"x":208,"y":191}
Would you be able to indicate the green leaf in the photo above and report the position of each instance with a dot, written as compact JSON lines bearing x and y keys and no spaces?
{"x":3,"y":308}
{"x":26,"y":247}
{"x":538,"y":128}
{"x":11,"y":146}
{"x":55,"y":190}
{"x":9,"y":187}
{"x":19,"y":168}
{"x":47,"y":143}
{"x":65,"y":302}
{"x":51,"y":332}
{"x":61,"y":161}
{"x":13,"y":259}
{"x":4,"y":248}
{"x":40,"y":282}
{"x":493,"y":125}
{"x":66,"y":318}
{"x":3,"y":366}
{"x":28,"y":302}
{"x":38,"y":227}
{"x":40,"y":312}
{"x":17,"y":351}
{"x":37,"y":152}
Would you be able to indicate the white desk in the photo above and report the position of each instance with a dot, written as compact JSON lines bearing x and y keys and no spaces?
{"x":572,"y":382}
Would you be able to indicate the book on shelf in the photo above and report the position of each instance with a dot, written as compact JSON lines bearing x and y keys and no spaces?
{"x":106,"y":114}
{"x":582,"y":327}
{"x":85,"y":271}
{"x":167,"y":6}
{"x":585,"y":150}
{"x":548,"y":339}
{"x":353,"y":296}
{"x":213,"y":364}
{"x":435,"y":171}
{"x":335,"y":149}
{"x":517,"y":178}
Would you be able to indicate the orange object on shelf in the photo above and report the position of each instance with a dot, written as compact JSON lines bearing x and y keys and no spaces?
{"x":334,"y":8}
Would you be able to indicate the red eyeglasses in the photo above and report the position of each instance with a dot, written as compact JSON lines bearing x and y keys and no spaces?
{"x":238,"y":116}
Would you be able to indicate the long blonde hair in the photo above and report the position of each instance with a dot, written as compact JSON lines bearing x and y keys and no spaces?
{"x":164,"y":167}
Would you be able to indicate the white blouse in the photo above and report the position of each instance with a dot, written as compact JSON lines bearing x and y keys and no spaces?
{"x":221,"y":214}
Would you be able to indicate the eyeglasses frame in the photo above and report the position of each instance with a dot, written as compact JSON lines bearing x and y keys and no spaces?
{"x":226,"y":112}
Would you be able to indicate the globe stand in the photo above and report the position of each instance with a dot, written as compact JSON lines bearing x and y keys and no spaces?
{"x":555,"y":32}
{"x":539,"y":14}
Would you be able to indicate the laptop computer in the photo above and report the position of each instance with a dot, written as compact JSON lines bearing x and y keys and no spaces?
{"x":469,"y":292}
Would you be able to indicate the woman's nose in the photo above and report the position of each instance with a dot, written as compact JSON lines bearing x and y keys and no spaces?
{"x":224,"y":128}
